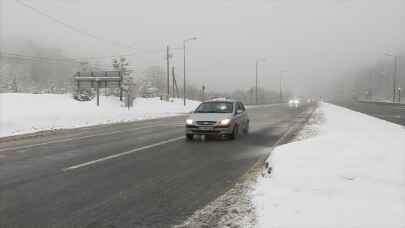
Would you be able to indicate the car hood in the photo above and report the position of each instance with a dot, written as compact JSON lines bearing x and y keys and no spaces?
{"x":210,"y":116}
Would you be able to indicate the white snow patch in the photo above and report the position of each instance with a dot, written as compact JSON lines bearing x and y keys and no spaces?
{"x":26,"y":113}
{"x":352,"y":174}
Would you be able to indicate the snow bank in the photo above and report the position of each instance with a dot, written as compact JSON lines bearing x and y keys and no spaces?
{"x":352,"y":174}
{"x":26,"y":113}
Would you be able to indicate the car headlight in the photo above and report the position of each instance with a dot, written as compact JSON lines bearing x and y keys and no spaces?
{"x":189,"y":121}
{"x":296,"y":102}
{"x":290,"y":101}
{"x":225,"y":122}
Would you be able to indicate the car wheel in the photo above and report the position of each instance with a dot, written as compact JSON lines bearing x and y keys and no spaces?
{"x":189,"y":137}
{"x":234,"y":133}
{"x":246,"y":130}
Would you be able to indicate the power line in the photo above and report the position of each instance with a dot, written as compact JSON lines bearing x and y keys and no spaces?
{"x":16,"y":55}
{"x":49,"y":61}
{"x":145,"y":52}
{"x":125,"y":55}
{"x":20,"y":57}
{"x":70,"y":27}
{"x":36,"y":59}
{"x":82,"y":32}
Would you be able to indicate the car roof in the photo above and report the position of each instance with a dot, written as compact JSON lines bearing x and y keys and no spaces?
{"x":221,"y":100}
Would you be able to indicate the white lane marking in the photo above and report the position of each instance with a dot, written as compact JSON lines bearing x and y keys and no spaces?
{"x":122,"y":154}
{"x":78,"y":138}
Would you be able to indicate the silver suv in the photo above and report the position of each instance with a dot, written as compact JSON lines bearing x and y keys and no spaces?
{"x":218,"y":117}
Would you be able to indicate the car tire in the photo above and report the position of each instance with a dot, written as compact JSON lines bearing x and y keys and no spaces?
{"x":246,"y":130}
{"x":189,"y":137}
{"x":234,"y":133}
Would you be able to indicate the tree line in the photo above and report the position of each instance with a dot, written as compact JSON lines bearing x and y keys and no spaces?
{"x":47,"y":70}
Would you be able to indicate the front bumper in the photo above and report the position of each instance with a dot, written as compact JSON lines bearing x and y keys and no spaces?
{"x":209,"y":130}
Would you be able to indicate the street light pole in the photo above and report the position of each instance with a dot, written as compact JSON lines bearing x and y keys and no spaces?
{"x":394,"y":76}
{"x":257,"y":75}
{"x":184,"y":67}
{"x":257,"y":69}
{"x":399,"y":95}
{"x":168,"y":73}
{"x":184,"y":72}
{"x":281,"y":87}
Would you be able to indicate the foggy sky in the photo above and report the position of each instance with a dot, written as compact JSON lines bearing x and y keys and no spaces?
{"x":317,"y":41}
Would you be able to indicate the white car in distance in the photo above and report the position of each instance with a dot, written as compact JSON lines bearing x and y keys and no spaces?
{"x":294,"y":103}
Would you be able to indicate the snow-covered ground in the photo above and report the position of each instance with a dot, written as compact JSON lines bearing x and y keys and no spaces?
{"x":26,"y":113}
{"x":348,"y":172}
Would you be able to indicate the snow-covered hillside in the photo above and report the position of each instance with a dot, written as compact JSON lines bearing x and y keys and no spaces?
{"x":26,"y":113}
{"x":351,"y":174}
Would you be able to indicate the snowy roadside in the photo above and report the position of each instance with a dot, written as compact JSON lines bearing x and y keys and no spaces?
{"x":28,"y":113}
{"x":345,"y":169}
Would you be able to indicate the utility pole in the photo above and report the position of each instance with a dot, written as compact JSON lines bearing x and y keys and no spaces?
{"x":203,"y":93}
{"x":399,"y":95}
{"x":257,"y":72}
{"x":184,"y":72}
{"x":257,"y":75}
{"x":184,"y":67}
{"x":168,"y":73}
{"x":395,"y":76}
{"x":173,"y":82}
{"x":370,"y":86}
{"x":281,"y":84}
{"x":281,"y":92}
{"x":175,"y":88}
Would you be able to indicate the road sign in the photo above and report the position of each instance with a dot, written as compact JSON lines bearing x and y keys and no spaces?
{"x":106,"y":79}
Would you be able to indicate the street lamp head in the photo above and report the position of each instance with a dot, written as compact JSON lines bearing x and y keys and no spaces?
{"x":399,"y":89}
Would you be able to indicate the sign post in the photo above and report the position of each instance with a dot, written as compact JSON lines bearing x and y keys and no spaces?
{"x":111,"y":79}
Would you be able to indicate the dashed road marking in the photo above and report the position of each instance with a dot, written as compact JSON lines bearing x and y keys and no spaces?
{"x":76,"y":138}
{"x":121,"y":154}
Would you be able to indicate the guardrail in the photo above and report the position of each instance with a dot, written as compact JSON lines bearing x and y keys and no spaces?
{"x":382,"y":103}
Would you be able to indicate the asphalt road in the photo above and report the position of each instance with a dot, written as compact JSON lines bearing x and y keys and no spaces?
{"x":139,"y":174}
{"x":392,"y":113}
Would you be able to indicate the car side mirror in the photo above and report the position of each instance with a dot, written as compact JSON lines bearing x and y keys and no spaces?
{"x":239,"y":111}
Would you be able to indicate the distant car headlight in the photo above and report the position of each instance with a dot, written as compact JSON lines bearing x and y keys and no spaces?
{"x":225,"y":122}
{"x":189,"y":121}
{"x":290,"y":102}
{"x":296,"y":101}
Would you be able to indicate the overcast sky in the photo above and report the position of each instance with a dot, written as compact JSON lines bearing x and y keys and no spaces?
{"x":315,"y":40}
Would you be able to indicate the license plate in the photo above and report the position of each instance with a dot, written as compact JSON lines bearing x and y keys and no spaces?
{"x":205,"y":128}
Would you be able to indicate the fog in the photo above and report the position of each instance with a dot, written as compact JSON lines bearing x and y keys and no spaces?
{"x":317,"y":42}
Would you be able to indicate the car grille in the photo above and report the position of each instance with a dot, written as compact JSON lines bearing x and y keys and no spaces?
{"x":206,"y":123}
{"x":205,"y":132}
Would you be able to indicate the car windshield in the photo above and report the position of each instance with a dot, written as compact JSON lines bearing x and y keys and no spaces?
{"x":215,"y":107}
